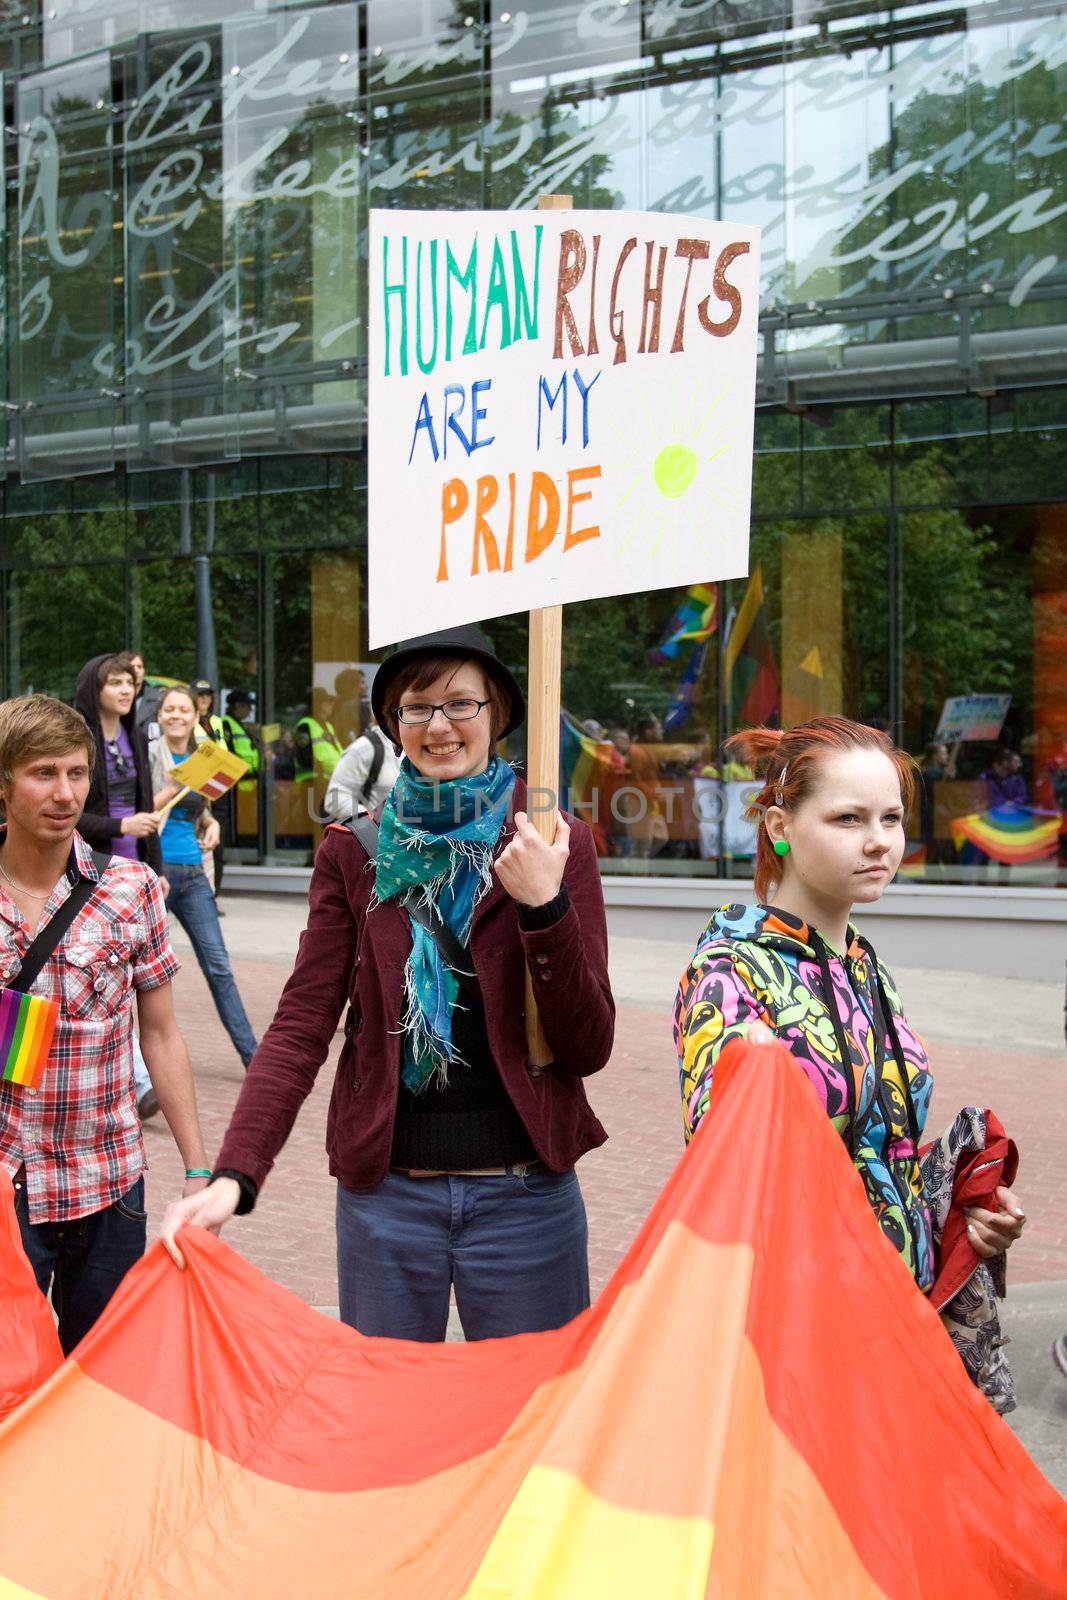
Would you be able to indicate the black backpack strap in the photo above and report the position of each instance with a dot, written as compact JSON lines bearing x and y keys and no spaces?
{"x":51,"y":935}
{"x":366,"y":831}
{"x":378,"y":760}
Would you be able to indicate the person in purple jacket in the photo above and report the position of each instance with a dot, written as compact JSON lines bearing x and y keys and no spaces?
{"x":454,"y":1153}
{"x":1004,"y":780}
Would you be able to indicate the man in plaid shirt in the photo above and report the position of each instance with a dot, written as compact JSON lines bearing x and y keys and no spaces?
{"x":73,"y":1145}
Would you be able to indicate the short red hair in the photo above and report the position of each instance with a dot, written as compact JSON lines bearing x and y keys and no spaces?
{"x":796,"y":752}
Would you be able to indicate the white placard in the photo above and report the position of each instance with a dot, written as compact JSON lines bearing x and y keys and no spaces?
{"x":560,"y":406}
{"x":970,"y":717}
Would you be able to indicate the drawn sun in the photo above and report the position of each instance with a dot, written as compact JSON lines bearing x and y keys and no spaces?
{"x":660,"y":488}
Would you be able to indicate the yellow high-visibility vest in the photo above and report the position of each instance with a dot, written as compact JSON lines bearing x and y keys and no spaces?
{"x":326,"y":749}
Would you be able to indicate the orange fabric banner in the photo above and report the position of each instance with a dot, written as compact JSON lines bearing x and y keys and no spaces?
{"x":761,"y":1403}
{"x":29,"y":1343}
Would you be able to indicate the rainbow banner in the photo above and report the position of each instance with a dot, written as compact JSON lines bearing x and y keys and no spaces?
{"x":211,"y":770}
{"x":1010,"y":834}
{"x":27,"y":1023}
{"x":29,"y":1343}
{"x":718,"y":1424}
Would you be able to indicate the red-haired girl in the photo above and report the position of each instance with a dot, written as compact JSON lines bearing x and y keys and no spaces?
{"x":831,"y":815}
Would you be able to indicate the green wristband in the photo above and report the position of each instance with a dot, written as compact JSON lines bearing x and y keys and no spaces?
{"x":197,"y":1172}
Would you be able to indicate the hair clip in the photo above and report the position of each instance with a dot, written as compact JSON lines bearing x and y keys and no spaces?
{"x":778,"y":788}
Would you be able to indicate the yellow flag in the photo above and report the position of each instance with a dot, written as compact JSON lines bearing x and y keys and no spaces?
{"x":211,"y":770}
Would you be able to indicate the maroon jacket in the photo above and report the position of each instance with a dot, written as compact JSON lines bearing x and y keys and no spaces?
{"x":349,"y":954}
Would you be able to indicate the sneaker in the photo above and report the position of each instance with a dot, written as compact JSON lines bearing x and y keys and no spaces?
{"x":1059,"y":1353}
{"x":148,"y":1105}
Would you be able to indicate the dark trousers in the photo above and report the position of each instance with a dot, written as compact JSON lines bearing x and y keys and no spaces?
{"x":84,"y":1261}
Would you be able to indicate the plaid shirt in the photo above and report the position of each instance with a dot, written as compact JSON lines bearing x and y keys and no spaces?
{"x":78,"y":1135}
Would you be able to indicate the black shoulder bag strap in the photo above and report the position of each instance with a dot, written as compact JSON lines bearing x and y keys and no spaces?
{"x":52,"y":933}
{"x":366,"y":831}
{"x":857,"y":1125}
{"x":377,"y":761}
{"x":887,"y":1021}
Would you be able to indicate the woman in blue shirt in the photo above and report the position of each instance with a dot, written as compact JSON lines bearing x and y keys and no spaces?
{"x":191,"y":830}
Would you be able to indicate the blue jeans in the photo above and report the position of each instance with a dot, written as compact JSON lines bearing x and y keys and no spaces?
{"x":84,"y":1261}
{"x":514,"y":1247}
{"x":193,"y":904}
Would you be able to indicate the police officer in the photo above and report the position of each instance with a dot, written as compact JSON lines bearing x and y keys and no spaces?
{"x":237,"y":735}
{"x":318,"y":749}
{"x":208,"y":720}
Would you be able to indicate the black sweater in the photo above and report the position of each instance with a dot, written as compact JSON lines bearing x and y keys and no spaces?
{"x":469,"y":1122}
{"x":97,"y":827}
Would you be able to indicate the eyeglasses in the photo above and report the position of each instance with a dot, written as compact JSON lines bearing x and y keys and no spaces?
{"x":455,"y":710}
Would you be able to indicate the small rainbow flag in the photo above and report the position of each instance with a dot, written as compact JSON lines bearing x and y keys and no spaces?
{"x":693,"y":621}
{"x":1010,"y":834}
{"x":27,"y":1023}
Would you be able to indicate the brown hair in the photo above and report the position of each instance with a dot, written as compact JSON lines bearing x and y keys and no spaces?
{"x":787,"y":759}
{"x":420,"y":672}
{"x":36,"y":725}
{"x":177,"y":688}
{"x":121,"y":661}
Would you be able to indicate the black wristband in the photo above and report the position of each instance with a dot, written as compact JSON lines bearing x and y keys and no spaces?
{"x":531,"y":918}
{"x":248,"y":1187}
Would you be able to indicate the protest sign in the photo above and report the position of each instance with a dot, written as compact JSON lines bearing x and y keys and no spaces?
{"x":561,"y":407}
{"x":973,"y":716}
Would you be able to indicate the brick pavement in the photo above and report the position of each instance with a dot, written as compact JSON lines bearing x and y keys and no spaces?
{"x":290,"y":1234}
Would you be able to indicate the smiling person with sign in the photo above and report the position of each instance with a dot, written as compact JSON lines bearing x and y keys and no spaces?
{"x":454,"y":1152}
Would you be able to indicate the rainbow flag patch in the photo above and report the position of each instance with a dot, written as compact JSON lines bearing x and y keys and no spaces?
{"x":27,"y":1023}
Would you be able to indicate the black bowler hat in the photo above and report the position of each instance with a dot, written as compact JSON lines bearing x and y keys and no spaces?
{"x":468,"y":643}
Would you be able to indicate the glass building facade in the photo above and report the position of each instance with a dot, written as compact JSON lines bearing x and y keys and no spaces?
{"x":183,"y":418}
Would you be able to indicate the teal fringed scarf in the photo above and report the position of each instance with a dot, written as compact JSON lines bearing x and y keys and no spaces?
{"x":438,"y":838}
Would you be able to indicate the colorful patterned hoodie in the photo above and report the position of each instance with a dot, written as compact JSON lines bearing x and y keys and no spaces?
{"x":756,"y":963}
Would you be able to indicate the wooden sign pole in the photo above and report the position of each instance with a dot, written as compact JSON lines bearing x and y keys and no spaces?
{"x":542,"y":732}
{"x":173,"y":801}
